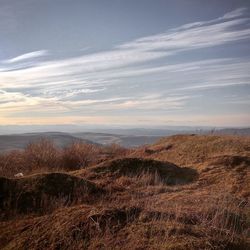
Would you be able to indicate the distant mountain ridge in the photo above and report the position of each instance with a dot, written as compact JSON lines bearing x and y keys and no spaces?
{"x":120,"y":139}
{"x":20,"y":141}
{"x":233,"y":131}
{"x":124,"y":137}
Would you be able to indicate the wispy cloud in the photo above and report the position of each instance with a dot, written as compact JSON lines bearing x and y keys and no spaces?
{"x":193,"y":36}
{"x":27,"y":56}
{"x":235,"y":13}
{"x":98,"y":81}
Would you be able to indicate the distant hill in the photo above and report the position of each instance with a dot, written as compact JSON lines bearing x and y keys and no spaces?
{"x":233,"y":131}
{"x":122,"y":140}
{"x":139,"y":136}
{"x":168,"y":131}
{"x":20,"y":141}
{"x":124,"y":137}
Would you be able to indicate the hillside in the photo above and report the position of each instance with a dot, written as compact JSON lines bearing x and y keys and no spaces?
{"x":193,"y":149}
{"x":183,"y":192}
{"x":128,"y":138}
{"x":122,"y":140}
{"x":20,"y":141}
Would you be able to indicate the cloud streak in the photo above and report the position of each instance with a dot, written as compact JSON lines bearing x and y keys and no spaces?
{"x":28,"y":56}
{"x":97,"y":81}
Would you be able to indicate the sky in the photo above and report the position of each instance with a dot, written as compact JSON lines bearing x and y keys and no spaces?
{"x":134,"y":62}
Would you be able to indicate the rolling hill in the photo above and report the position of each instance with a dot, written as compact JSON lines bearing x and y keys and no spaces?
{"x":182,"y":192}
{"x":128,"y":138}
{"x":20,"y":141}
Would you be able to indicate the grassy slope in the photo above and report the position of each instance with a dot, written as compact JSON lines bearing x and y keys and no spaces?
{"x":138,"y":209}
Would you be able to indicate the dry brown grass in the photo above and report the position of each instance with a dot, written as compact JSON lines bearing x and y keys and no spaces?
{"x":215,"y":224}
{"x":135,"y":207}
{"x":44,"y":156}
{"x":41,"y":154}
{"x":79,"y":155}
{"x":191,"y":150}
{"x":43,"y":193}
